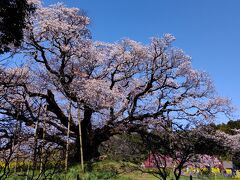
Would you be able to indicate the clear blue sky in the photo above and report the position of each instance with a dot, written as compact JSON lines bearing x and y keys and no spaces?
{"x":207,"y":30}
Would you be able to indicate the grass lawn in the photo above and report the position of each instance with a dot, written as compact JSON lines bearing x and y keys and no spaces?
{"x":114,"y":170}
{"x":123,"y":171}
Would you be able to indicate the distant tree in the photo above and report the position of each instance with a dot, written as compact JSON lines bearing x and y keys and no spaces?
{"x":231,"y":132}
{"x":172,"y":148}
{"x":12,"y":22}
{"x":233,"y":143}
{"x":125,"y":147}
{"x":229,"y":127}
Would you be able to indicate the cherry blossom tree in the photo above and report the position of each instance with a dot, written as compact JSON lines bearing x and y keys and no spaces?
{"x":119,"y":87}
{"x":178,"y":147}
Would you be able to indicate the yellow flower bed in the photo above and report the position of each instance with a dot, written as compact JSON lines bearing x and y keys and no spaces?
{"x":237,"y":174}
{"x":216,"y":170}
{"x":201,"y":170}
{"x":13,"y":164}
{"x":229,"y":171}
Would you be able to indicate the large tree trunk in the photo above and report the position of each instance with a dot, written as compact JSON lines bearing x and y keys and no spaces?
{"x":87,"y":133}
{"x":90,"y":150}
{"x":91,"y":138}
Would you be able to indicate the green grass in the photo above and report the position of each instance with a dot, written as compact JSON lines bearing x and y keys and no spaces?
{"x":112,"y":170}
{"x":122,"y":171}
{"x":109,"y":170}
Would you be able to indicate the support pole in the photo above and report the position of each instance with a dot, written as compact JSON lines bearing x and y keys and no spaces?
{"x":67,"y":146}
{"x":80,"y":139}
{"x":43,"y":141}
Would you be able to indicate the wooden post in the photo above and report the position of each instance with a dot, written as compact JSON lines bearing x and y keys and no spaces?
{"x":35,"y":148}
{"x":16,"y":149}
{"x":17,"y":133}
{"x":80,"y":139}
{"x":43,"y":140}
{"x":36,"y":143}
{"x":26,"y":178}
{"x":67,"y":146}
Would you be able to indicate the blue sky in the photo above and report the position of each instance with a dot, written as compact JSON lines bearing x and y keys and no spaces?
{"x":207,"y":30}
